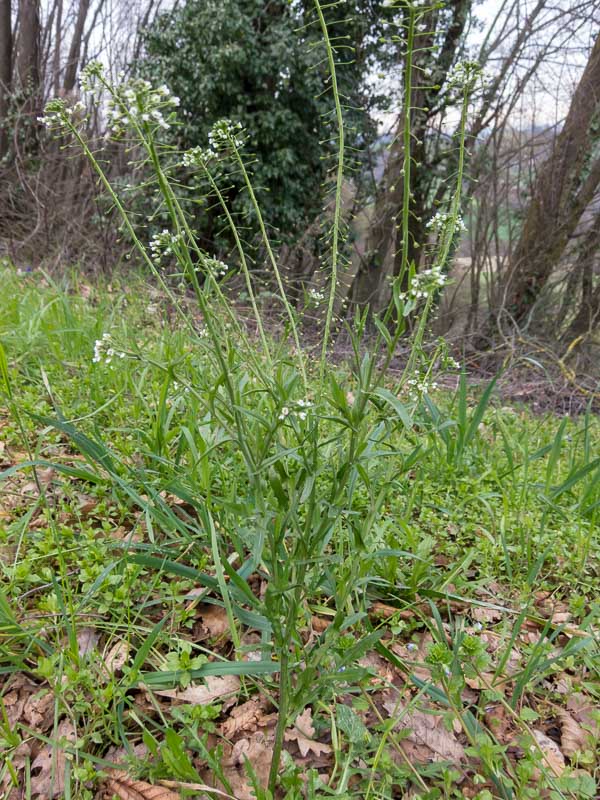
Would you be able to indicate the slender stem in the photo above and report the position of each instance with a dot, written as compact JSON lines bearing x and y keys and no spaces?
{"x":243,"y":262}
{"x":337,"y":214}
{"x":407,"y":133}
{"x":281,"y":718}
{"x":273,"y":261}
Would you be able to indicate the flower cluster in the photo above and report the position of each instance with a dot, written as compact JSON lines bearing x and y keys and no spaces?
{"x":58,"y":115}
{"x":217,"y":268}
{"x":90,"y":77}
{"x":104,"y":350}
{"x":420,"y":385}
{"x":225,"y":133}
{"x":425,"y":283}
{"x":138,"y":103}
{"x":441,"y":222}
{"x":162,"y":244}
{"x":465,"y":75}
{"x":301,"y":409}
{"x":316,"y":296}
{"x":196,"y":157}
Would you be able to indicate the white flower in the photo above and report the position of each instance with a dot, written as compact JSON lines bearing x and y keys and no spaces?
{"x":284,"y":412}
{"x":104,"y":350}
{"x":163,"y":243}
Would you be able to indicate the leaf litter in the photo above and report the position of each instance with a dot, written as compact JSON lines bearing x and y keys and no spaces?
{"x":245,"y":727}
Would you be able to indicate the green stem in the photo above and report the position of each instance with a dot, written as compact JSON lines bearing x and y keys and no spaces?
{"x":337,"y":214}
{"x":281,"y":719}
{"x":273,"y":261}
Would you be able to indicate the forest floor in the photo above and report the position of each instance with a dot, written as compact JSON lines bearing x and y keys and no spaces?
{"x":136,"y":656}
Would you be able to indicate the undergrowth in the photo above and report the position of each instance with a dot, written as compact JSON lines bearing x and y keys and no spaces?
{"x":232,"y":566}
{"x":473,"y":601}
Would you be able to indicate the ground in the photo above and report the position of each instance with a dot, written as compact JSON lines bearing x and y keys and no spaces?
{"x":444,"y":642}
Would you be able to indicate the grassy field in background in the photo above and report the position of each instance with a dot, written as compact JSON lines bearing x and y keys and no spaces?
{"x":467,"y":664}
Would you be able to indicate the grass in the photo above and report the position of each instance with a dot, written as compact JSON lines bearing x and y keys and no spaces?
{"x":433,"y":605}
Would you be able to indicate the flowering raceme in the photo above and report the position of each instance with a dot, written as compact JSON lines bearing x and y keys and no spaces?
{"x":104,"y":350}
{"x":425,"y":283}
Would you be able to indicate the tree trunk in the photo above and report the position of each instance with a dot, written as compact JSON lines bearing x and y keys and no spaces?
{"x":564,"y":188}
{"x":588,"y":315}
{"x":28,"y":47}
{"x":5,"y":72}
{"x":75,"y":49}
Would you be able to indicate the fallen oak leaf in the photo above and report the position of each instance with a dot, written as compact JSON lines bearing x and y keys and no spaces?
{"x":551,"y":754}
{"x":215,"y":688}
{"x":425,"y":737}
{"x":196,"y":787}
{"x":303,"y":732}
{"x":573,"y":738}
{"x":49,"y":764}
{"x":125,"y":788}
{"x":245,"y":718}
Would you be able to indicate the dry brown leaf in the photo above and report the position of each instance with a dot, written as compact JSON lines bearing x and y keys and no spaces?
{"x":49,"y":765}
{"x":116,"y":658}
{"x":26,"y":701}
{"x":18,"y":759}
{"x":87,"y":640}
{"x":126,"y":788}
{"x":197,"y":787}
{"x":500,"y":723}
{"x":573,"y":737}
{"x":302,"y":732}
{"x":245,"y":718}
{"x":120,"y":755}
{"x":259,"y":752}
{"x":214,"y":621}
{"x":484,"y":680}
{"x":484,"y":614}
{"x":585,"y":712}
{"x":320,"y":624}
{"x":216,"y":688}
{"x":427,"y":739}
{"x":551,"y":754}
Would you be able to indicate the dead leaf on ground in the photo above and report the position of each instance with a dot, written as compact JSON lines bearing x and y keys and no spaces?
{"x":500,"y":723}
{"x":551,"y":754}
{"x":28,"y":702}
{"x":120,"y":755}
{"x":302,"y":732}
{"x":17,"y":759}
{"x":585,"y":711}
{"x":197,"y":787}
{"x":259,"y":752}
{"x":485,"y":614}
{"x":213,"y":623}
{"x":215,"y":688}
{"x":49,"y":764}
{"x":117,"y":657}
{"x":427,"y":739}
{"x":125,"y":788}
{"x":87,"y":641}
{"x":246,"y":718}
{"x":573,"y":738}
